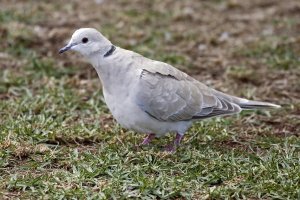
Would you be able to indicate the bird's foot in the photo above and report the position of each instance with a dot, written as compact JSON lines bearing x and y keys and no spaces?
{"x":173,"y":146}
{"x":147,"y":140}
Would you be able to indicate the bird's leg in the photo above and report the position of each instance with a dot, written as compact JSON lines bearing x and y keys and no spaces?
{"x":148,"y":139}
{"x":172,"y":147}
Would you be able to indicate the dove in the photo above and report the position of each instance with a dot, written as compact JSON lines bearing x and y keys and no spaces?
{"x":149,"y":96}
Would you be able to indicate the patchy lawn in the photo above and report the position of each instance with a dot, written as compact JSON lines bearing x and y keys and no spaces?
{"x":58,"y":139}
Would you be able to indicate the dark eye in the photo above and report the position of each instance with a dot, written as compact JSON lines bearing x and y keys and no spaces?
{"x":85,"y":40}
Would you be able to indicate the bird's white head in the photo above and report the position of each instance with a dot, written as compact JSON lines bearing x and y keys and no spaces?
{"x":87,"y":41}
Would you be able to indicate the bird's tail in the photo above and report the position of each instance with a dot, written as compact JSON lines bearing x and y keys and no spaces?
{"x":246,"y":104}
{"x":251,"y":105}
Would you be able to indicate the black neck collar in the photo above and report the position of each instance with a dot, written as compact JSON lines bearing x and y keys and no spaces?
{"x":110,"y":51}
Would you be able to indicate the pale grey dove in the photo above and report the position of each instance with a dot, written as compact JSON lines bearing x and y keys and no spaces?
{"x":149,"y":96}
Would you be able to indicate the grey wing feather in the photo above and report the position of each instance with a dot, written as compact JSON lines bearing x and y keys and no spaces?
{"x":158,"y":95}
{"x":168,"y":94}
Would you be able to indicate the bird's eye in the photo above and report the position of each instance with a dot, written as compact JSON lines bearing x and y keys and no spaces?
{"x":85,"y":40}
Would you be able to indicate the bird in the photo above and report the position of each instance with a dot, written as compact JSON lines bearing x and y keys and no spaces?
{"x":149,"y":96}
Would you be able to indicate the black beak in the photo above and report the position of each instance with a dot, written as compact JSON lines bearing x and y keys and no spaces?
{"x":66,"y":48}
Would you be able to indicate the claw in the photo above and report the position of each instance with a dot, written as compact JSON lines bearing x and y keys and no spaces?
{"x":173,"y":146}
{"x":148,"y":139}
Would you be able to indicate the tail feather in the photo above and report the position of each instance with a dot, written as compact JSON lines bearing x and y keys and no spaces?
{"x":250,"y":105}
{"x":245,"y":103}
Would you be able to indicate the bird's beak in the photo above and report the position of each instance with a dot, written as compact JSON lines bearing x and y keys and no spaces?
{"x":67,"y":47}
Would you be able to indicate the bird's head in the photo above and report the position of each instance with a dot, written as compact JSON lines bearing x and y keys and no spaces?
{"x":87,"y":41}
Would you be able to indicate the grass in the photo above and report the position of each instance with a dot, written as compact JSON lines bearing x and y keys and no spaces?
{"x":276,"y":53}
{"x":58,"y":139}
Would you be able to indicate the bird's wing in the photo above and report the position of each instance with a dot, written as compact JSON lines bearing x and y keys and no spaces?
{"x":167,"y":94}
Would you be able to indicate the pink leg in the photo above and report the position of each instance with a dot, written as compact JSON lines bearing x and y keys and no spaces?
{"x":148,"y":139}
{"x":172,"y":147}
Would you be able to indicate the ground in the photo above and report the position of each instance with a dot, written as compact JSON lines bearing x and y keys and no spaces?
{"x":58,"y":139}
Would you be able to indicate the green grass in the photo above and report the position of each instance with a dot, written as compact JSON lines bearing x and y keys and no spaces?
{"x":54,"y":145}
{"x":58,"y":139}
{"x":277,"y":53}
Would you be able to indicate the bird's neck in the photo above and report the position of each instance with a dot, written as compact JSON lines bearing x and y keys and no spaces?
{"x":108,"y":68}
{"x":100,"y":51}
